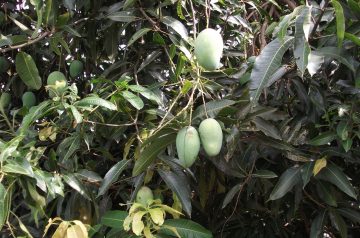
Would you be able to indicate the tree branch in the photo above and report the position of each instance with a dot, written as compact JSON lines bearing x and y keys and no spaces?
{"x":30,"y":42}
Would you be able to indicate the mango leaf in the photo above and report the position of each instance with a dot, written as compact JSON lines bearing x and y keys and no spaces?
{"x":265,"y":174}
{"x":149,"y":153}
{"x":185,"y":228}
{"x":112,"y":175}
{"x":27,"y":70}
{"x":306,"y":172}
{"x":266,"y":65}
{"x":114,"y":219}
{"x":301,"y":45}
{"x":336,"y":53}
{"x":334,"y":175}
{"x":97,"y":101}
{"x":75,"y":183}
{"x":137,"y":35}
{"x":230,"y":195}
{"x":147,"y":93}
{"x":338,"y":222}
{"x":211,"y":108}
{"x":176,"y":25}
{"x":317,"y":225}
{"x":319,"y":165}
{"x":133,"y":99}
{"x":351,"y":214}
{"x":34,"y":114}
{"x":286,"y":182}
{"x":180,"y":187}
{"x":340,"y":21}
{"x":325,"y":194}
{"x":323,"y":139}
{"x":4,"y":208}
{"x":122,"y":16}
{"x":267,"y":128}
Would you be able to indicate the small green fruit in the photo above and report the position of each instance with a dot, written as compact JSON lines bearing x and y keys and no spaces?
{"x":187,"y":145}
{"x":208,"y":49}
{"x":28,"y":99}
{"x":211,"y":136}
{"x":4,"y":64}
{"x":58,"y":82}
{"x":76,"y":67}
{"x":5,"y":99}
{"x":144,"y":195}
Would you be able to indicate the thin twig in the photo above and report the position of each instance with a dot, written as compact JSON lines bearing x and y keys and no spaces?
{"x":30,"y":42}
{"x":319,"y":19}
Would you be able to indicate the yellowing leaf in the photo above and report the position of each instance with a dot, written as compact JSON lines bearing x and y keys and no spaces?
{"x":137,"y":223}
{"x":75,"y":231}
{"x":157,"y":215}
{"x":82,"y":227}
{"x":61,"y":230}
{"x":135,"y":207}
{"x":319,"y":165}
{"x":127,"y":222}
{"x":147,"y":233}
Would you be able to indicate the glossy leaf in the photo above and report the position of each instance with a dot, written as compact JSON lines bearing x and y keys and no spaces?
{"x":112,"y":175}
{"x":27,"y":70}
{"x":286,"y":182}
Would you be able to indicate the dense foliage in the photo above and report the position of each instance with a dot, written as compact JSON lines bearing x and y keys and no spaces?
{"x":124,"y":81}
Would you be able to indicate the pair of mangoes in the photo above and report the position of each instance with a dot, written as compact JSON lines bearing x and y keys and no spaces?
{"x":188,"y":141}
{"x":208,"y":49}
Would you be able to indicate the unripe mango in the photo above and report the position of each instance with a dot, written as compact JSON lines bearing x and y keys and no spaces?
{"x":208,"y":49}
{"x":187,"y":145}
{"x":76,"y":67}
{"x":58,"y":82}
{"x":28,"y":99}
{"x":211,"y":136}
{"x":144,"y":195}
{"x":5,"y":99}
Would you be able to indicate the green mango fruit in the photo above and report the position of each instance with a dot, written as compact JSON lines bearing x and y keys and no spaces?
{"x":5,"y":99}
{"x":208,"y":49}
{"x":76,"y":68}
{"x":211,"y":136}
{"x":28,"y":99}
{"x":58,"y":82}
{"x":144,"y":195}
{"x":4,"y":64}
{"x":187,"y":145}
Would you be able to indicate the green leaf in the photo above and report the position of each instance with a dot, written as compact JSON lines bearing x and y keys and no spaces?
{"x":35,"y":113}
{"x":353,"y":38}
{"x":75,"y":183}
{"x":27,"y":70}
{"x":266,"y":65}
{"x":301,"y":45}
{"x":76,"y":114}
{"x":148,"y":154}
{"x":137,"y":35}
{"x":340,"y":22}
{"x":185,"y":228}
{"x":230,"y":195}
{"x":18,"y":166}
{"x":286,"y":182}
{"x":112,"y":175}
{"x":10,"y":147}
{"x":179,"y":185}
{"x":147,"y":93}
{"x":92,"y":100}
{"x":338,"y":222}
{"x":323,"y":139}
{"x":267,"y":128}
{"x":4,"y":208}
{"x":351,"y":214}
{"x":342,"y":130}
{"x":114,"y":219}
{"x":334,"y":175}
{"x":133,"y":99}
{"x":122,"y":16}
{"x":112,"y":42}
{"x":211,"y":108}
{"x":265,"y":174}
{"x":317,"y":225}
{"x":325,"y":194}
{"x":306,"y":172}
{"x":71,"y":30}
{"x":176,"y":25}
{"x":336,"y":53}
